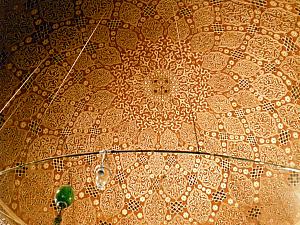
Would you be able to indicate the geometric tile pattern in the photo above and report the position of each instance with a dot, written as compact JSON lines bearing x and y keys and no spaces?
{"x":214,"y":76}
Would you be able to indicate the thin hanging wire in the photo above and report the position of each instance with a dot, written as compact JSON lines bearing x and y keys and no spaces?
{"x":8,"y":216}
{"x":19,"y":89}
{"x":229,"y":157}
{"x":64,"y":80}
{"x":16,"y":92}
{"x":188,"y":97}
{"x":70,"y":183}
{"x":29,"y":77}
{"x":70,"y":70}
{"x":161,"y":151}
{"x":103,"y":157}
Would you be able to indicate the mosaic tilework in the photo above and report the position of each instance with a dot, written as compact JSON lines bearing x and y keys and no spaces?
{"x":216,"y":76}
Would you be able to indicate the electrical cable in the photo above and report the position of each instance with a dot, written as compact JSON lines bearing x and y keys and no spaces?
{"x":6,"y":215}
{"x":16,"y":92}
{"x":70,"y":70}
{"x":297,"y":170}
{"x":55,"y":94}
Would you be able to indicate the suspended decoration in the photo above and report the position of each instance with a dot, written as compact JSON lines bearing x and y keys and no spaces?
{"x":103,"y":174}
{"x":64,"y":197}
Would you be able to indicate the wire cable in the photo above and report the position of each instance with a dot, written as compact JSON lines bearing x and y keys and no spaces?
{"x":278,"y":166}
{"x":70,"y":70}
{"x":9,"y":217}
{"x":14,"y":95}
{"x":17,"y":91}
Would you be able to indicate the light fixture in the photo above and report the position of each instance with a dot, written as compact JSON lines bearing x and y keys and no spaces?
{"x":102,"y":173}
{"x":64,"y":197}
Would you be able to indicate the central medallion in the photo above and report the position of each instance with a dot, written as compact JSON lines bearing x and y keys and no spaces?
{"x":160,"y":85}
{"x":158,"y":89}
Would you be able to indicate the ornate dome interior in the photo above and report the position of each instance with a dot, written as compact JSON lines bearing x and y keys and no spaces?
{"x":211,"y":76}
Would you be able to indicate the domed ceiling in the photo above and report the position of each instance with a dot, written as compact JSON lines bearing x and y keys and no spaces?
{"x":213,"y":76}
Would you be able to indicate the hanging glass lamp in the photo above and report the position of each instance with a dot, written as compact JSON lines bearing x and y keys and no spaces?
{"x":102,"y":176}
{"x":64,"y":196}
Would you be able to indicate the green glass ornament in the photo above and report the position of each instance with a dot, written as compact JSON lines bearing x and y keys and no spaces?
{"x":64,"y":196}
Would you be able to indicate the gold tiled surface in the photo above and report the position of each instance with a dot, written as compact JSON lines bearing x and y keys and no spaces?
{"x":214,"y":76}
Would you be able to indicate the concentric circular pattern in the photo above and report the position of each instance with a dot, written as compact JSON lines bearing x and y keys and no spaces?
{"x":216,"y":76}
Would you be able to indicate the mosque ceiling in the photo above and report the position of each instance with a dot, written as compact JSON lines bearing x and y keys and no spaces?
{"x":211,"y":76}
